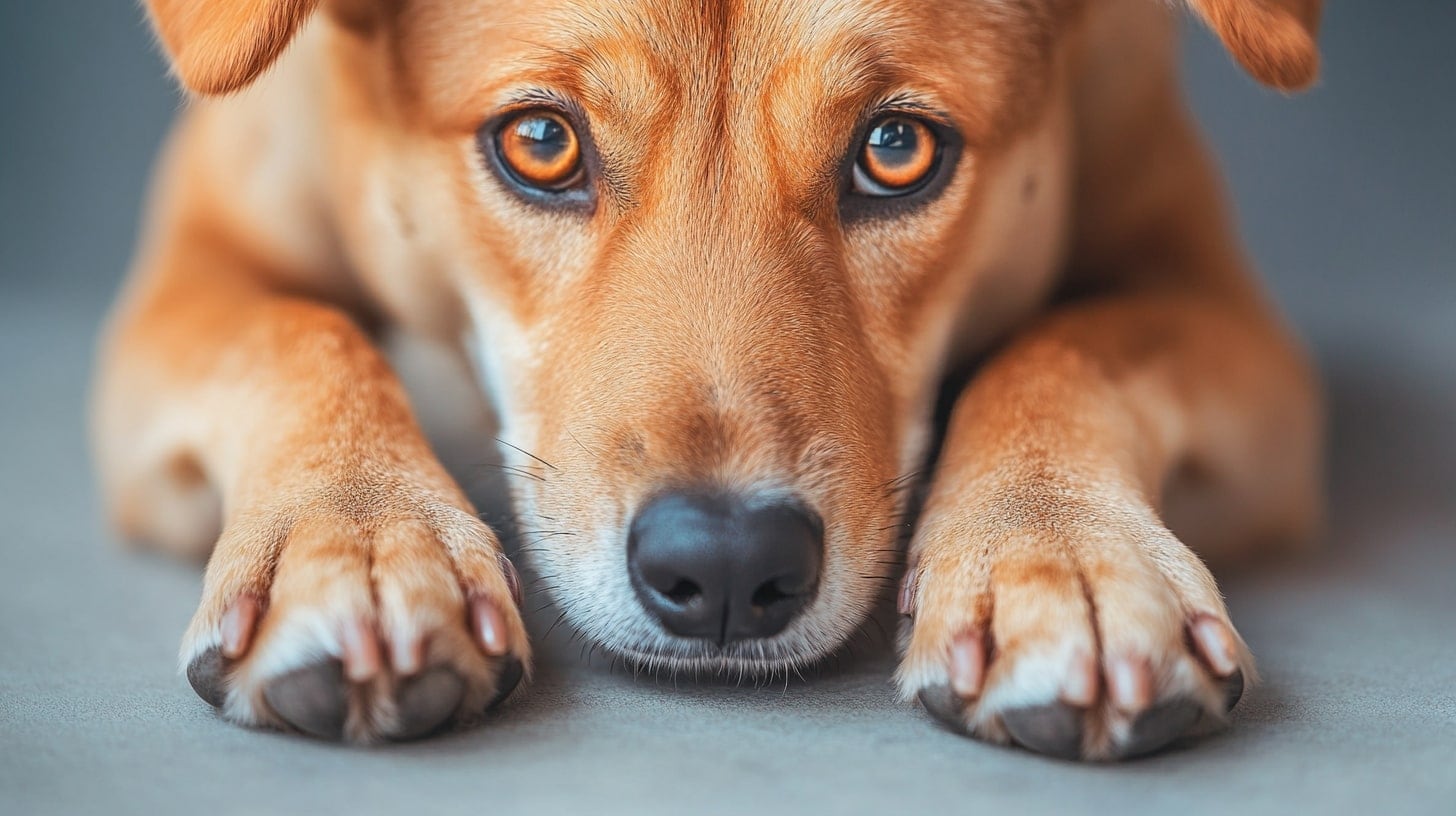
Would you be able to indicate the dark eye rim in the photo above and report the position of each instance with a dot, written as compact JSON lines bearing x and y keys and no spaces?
{"x":858,"y":206}
{"x":579,"y":196}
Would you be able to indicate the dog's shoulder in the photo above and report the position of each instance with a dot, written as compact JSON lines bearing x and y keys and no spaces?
{"x":255,"y":165}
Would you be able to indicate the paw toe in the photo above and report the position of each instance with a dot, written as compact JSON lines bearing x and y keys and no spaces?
{"x":428,"y":701}
{"x":1054,"y":729}
{"x":314,"y":699}
{"x":208,"y":674}
{"x":1160,"y":725}
{"x":945,"y":706}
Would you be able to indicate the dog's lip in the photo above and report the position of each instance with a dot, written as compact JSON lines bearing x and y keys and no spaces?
{"x":751,"y":658}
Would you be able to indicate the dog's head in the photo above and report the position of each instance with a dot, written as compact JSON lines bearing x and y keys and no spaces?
{"x":707,"y":253}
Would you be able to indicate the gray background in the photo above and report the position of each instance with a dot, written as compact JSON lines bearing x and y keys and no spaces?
{"x":1347,"y":197}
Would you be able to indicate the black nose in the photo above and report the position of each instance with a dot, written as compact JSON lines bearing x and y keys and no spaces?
{"x":723,"y":568}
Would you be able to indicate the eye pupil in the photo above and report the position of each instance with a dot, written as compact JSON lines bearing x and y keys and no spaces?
{"x":894,"y":138}
{"x":545,"y":137}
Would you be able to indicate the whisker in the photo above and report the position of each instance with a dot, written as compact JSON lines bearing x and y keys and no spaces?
{"x":540,"y":537}
{"x":884,"y":635}
{"x":512,"y":470}
{"x":579,"y":445}
{"x":552,"y":628}
{"x":528,"y":453}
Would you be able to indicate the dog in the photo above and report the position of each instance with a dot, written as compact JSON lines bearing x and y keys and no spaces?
{"x":712,"y":262}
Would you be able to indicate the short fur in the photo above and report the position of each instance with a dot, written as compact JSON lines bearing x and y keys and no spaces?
{"x":715,"y":320}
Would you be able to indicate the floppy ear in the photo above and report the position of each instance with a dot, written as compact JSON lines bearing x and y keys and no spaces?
{"x":219,"y":46}
{"x":1273,"y":39}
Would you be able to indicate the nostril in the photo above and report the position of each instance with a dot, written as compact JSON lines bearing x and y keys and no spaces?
{"x":721,"y":567}
{"x":770,"y":593}
{"x":684,"y":592}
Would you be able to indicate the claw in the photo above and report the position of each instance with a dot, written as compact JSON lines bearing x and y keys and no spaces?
{"x":968,"y":664}
{"x":237,"y":626}
{"x":909,"y":585}
{"x":1129,"y":683}
{"x":407,"y":654}
{"x":361,"y":651}
{"x":490,"y":626}
{"x":513,"y":578}
{"x":1080,"y":687}
{"x":1215,"y":643}
{"x":207,"y":673}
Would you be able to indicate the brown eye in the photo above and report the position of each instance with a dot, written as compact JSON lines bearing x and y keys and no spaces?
{"x":899,"y":154}
{"x":541,"y":150}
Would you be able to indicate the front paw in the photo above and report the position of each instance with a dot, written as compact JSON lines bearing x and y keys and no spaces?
{"x":1079,"y":640}
{"x":357,"y":628}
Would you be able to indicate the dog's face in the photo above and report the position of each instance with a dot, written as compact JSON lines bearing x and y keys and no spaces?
{"x":708,"y":256}
{"x":708,"y":253}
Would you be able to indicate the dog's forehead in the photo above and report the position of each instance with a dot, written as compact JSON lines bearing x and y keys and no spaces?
{"x":631,"y":57}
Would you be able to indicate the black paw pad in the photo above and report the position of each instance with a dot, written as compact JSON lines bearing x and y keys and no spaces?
{"x":511,"y":672}
{"x":1233,"y":690}
{"x":314,"y":699}
{"x":427,"y":702}
{"x":208,"y":675}
{"x":1054,"y":729}
{"x":1160,"y":725}
{"x":946,"y":706}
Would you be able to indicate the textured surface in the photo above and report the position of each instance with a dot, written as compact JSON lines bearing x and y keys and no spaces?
{"x":1348,"y":198}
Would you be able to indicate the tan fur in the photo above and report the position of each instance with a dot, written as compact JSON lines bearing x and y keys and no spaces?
{"x":712,"y":321}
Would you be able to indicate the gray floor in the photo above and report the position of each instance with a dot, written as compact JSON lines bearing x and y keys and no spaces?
{"x":1348,"y":197}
